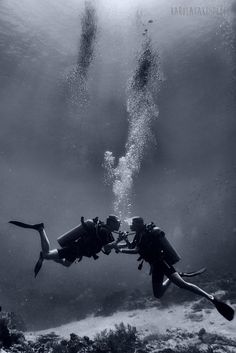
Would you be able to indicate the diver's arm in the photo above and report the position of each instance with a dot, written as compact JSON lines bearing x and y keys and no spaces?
{"x":123,"y":246}
{"x":119,"y":248}
{"x":129,"y":244}
{"x":128,"y":251}
{"x":132,"y":244}
{"x":108,"y":247}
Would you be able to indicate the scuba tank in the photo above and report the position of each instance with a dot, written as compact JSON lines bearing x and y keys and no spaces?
{"x":168,"y":252}
{"x":77,"y":232}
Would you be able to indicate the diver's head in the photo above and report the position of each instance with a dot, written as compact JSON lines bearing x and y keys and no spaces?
{"x":113,"y":223}
{"x":137,"y":224}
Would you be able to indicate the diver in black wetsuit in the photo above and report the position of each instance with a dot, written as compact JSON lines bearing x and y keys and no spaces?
{"x":87,"y":239}
{"x":152,"y":246}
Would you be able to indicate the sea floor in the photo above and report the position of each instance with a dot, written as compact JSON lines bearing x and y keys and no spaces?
{"x":151,"y":321}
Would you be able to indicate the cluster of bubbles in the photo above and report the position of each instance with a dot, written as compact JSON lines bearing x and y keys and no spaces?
{"x":142,"y":110}
{"x":77,"y":78}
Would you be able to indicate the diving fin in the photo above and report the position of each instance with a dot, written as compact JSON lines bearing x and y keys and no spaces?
{"x":38,"y":265}
{"x":26,"y":225}
{"x":193,"y":274}
{"x":224,"y":309}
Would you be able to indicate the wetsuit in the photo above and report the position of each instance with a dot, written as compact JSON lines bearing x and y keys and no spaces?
{"x":154,"y":248}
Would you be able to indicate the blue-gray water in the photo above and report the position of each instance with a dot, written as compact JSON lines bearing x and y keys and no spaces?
{"x":52,"y":149}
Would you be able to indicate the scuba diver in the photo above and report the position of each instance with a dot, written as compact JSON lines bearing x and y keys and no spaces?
{"x":86,"y":239}
{"x":152,"y":246}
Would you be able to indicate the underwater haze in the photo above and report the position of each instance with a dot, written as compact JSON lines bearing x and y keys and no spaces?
{"x":106,"y":107}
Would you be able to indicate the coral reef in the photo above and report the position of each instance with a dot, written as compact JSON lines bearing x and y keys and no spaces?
{"x":122,"y":339}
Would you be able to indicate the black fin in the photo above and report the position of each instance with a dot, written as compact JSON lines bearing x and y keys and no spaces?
{"x":26,"y":225}
{"x":21,"y":224}
{"x":194,"y":273}
{"x":38,"y":265}
{"x":224,"y":309}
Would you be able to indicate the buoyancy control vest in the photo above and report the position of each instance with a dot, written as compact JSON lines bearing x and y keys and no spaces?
{"x":153,"y":246}
{"x":88,"y":238}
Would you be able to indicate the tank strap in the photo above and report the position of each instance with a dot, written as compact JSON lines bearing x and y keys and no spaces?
{"x":150,"y":270}
{"x":96,"y":229}
{"x":140,"y":266}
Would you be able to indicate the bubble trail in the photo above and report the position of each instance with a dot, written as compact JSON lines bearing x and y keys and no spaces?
{"x":77,"y":78}
{"x":142,"y":110}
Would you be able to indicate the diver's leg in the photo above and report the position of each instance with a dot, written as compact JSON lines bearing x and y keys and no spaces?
{"x":181,"y":283}
{"x":45,"y":245}
{"x":51,"y":255}
{"x":169,"y":270}
{"x":223,"y":308}
{"x":63,"y":262}
{"x":46,"y":253}
{"x":159,"y":287}
{"x":167,"y":282}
